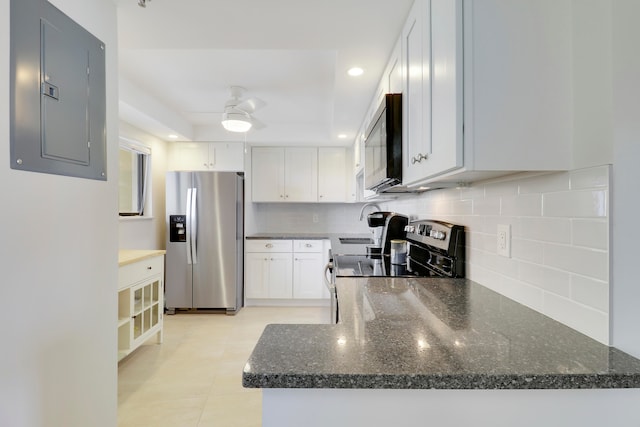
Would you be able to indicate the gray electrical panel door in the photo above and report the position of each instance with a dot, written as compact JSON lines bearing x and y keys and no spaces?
{"x":58,"y":100}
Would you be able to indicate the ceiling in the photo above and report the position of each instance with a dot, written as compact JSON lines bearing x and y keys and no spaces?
{"x":178,"y":59}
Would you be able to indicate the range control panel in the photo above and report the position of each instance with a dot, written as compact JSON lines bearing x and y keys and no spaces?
{"x":438,"y":234}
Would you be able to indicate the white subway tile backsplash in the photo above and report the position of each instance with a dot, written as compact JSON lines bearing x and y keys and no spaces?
{"x":587,"y":262}
{"x":486,"y":206}
{"x":462,"y":207}
{"x":522,"y":292}
{"x":560,"y":240}
{"x":501,"y":189}
{"x":545,"y":183}
{"x":590,"y":292}
{"x":556,"y":230}
{"x":576,"y":204}
{"x":527,"y":250}
{"x":597,"y":177}
{"x":592,"y":234}
{"x":524,"y":205}
{"x":591,"y":322}
{"x":552,"y":280}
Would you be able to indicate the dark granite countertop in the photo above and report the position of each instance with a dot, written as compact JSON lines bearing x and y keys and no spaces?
{"x":336,"y":246}
{"x":288,"y":236}
{"x":435,"y":333}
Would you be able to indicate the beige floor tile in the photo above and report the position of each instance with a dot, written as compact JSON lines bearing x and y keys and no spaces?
{"x":194,"y":378}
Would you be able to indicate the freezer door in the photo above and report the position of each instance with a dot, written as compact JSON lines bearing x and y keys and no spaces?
{"x":179,"y":277}
{"x":215,"y":281}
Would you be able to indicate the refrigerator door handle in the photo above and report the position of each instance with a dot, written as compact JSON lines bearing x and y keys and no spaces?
{"x":189,"y":221}
{"x":194,"y":226}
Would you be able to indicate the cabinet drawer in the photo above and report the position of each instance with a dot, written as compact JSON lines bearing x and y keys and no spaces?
{"x":307,"y":245}
{"x":268,"y":245}
{"x":137,"y":271}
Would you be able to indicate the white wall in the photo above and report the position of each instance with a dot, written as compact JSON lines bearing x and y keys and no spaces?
{"x":560,"y":240}
{"x":626,"y":177}
{"x":58,"y":258}
{"x":147,"y":233}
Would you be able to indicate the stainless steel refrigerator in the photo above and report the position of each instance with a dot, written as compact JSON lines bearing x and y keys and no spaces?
{"x":205,"y":238}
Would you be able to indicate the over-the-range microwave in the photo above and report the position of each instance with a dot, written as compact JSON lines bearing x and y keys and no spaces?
{"x":383,"y":146}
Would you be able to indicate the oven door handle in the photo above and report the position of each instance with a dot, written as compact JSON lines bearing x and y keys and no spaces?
{"x":328,"y":283}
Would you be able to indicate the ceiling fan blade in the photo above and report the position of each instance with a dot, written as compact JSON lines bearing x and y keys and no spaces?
{"x":257,"y":124}
{"x":250,"y":105}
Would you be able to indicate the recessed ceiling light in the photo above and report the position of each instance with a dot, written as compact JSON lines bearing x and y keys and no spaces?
{"x":342,"y":136}
{"x":355,"y":71}
{"x":173,"y":136}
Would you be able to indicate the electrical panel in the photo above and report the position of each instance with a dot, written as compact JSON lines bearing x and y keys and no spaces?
{"x":58,"y":98}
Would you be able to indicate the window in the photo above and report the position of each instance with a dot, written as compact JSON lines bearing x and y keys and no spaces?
{"x":134,"y":159}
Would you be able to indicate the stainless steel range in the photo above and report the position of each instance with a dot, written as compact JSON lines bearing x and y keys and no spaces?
{"x":434,"y":249}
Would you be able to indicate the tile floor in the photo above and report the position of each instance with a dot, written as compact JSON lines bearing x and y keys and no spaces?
{"x":194,"y":379}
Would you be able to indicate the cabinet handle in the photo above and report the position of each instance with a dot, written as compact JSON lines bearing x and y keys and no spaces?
{"x":149,"y":268}
{"x":308,"y":245}
{"x":281,"y":196}
{"x":268,"y":245}
{"x":419,"y":158}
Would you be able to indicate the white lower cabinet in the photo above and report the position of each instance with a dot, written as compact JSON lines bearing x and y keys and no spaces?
{"x":284,"y":271}
{"x":140,"y":303}
{"x":308,"y":266}
{"x":268,"y":275}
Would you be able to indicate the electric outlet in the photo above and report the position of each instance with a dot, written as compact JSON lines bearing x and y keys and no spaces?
{"x":504,"y":240}
{"x":315,"y":218}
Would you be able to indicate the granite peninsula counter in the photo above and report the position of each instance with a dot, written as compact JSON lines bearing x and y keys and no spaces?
{"x":427,"y":335}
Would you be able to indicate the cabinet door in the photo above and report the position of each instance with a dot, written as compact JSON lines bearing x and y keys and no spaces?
{"x":393,"y":72}
{"x":358,"y":153}
{"x":227,"y":156}
{"x":332,"y":174}
{"x":307,"y":275}
{"x":446,"y":92}
{"x":280,"y":280}
{"x":189,"y":156}
{"x":267,"y":170}
{"x":301,"y":175}
{"x":416,"y":59}
{"x":257,"y":275}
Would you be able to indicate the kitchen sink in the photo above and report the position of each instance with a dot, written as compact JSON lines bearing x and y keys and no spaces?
{"x":355,"y":240}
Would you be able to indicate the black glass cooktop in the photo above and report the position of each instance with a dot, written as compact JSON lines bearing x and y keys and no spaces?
{"x":376,"y":266}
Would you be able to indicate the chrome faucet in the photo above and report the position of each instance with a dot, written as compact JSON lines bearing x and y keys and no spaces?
{"x":367,"y":205}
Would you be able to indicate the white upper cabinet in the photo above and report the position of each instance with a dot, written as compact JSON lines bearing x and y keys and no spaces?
{"x":332,"y":173}
{"x":301,"y":174}
{"x":284,"y":174}
{"x":206,"y":156}
{"x":492,"y":94}
{"x":416,"y":93}
{"x":267,"y":177}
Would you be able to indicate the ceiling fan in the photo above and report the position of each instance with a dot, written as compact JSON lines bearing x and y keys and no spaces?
{"x":237,"y":115}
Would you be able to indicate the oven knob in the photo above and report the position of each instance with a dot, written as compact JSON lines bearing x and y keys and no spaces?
{"x":438,"y":235}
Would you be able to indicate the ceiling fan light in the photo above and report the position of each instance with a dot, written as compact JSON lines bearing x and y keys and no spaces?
{"x":235,"y":122}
